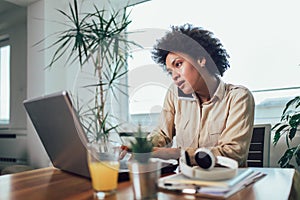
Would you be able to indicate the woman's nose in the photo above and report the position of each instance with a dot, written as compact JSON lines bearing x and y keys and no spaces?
{"x":175,"y":75}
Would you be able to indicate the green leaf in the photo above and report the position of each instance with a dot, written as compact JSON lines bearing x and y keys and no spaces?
{"x":292,"y":133}
{"x":297,"y":155}
{"x":291,"y":102}
{"x":275,"y":126}
{"x":287,"y":140}
{"x":295,"y":120}
{"x":284,"y":161}
{"x":279,"y":132}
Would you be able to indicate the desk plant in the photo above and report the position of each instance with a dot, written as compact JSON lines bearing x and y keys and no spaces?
{"x":96,"y":38}
{"x":288,"y":125}
{"x":141,"y":146}
{"x":144,"y":172}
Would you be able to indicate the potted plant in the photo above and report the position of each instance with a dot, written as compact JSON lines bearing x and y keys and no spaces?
{"x":144,"y":172}
{"x":287,"y":127}
{"x":97,"y":38}
{"x":141,"y":147}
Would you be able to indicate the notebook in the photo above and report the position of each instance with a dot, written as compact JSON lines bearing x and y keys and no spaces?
{"x":210,"y":189}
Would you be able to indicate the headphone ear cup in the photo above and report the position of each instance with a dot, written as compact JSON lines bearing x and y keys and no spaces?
{"x":205,"y":158}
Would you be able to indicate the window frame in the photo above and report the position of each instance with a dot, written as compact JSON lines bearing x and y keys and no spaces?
{"x":5,"y":41}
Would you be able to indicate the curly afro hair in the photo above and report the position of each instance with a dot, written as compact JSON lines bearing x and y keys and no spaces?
{"x":195,"y":42}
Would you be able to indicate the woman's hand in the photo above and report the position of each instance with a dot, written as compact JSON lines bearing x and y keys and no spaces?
{"x":123,"y":151}
{"x":166,"y":153}
{"x":158,"y":152}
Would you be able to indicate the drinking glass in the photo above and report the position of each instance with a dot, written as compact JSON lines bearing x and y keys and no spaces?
{"x":104,"y":169}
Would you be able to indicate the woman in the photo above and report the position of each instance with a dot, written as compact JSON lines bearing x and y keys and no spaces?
{"x":216,"y":115}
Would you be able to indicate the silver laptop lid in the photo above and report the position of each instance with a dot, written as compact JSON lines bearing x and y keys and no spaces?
{"x":58,"y":127}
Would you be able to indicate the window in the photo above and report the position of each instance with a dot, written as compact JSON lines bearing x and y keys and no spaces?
{"x":4,"y":84}
{"x":147,"y":86}
{"x":261,"y":37}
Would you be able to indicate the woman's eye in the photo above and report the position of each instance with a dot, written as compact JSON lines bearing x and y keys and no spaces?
{"x":178,"y":64}
{"x":169,"y":73}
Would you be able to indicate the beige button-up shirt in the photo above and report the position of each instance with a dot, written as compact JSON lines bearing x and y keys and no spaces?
{"x":224,"y":124}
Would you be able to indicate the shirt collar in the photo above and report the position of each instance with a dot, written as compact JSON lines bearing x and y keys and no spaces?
{"x":220,"y":91}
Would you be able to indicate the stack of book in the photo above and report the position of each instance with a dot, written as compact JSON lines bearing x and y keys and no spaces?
{"x":222,"y":189}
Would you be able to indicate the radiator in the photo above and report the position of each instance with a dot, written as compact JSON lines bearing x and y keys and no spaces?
{"x":13,"y":149}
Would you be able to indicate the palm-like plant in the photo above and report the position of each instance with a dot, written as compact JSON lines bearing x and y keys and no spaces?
{"x":288,"y":125}
{"x":100,"y":38}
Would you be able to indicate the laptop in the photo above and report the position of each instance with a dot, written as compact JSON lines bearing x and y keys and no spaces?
{"x":57,"y":125}
{"x":59,"y":129}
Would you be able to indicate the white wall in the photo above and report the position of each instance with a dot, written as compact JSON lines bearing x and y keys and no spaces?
{"x":37,"y":155}
{"x":18,"y":38}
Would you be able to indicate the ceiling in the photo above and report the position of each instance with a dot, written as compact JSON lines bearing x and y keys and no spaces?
{"x":12,"y":12}
{"x":20,"y":2}
{"x":7,"y":6}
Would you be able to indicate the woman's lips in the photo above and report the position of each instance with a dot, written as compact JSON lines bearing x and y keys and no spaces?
{"x":180,"y":84}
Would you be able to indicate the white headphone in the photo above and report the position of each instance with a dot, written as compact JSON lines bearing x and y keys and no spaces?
{"x":206,"y":169}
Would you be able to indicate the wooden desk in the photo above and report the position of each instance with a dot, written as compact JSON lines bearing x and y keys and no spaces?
{"x":51,"y":183}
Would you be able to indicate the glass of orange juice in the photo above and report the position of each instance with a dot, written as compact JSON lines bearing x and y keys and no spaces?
{"x":104,"y":169}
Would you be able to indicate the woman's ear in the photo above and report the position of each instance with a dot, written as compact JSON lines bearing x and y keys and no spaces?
{"x":201,"y":62}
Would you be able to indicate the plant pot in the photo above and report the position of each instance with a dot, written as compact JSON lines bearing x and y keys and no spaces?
{"x":144,"y":177}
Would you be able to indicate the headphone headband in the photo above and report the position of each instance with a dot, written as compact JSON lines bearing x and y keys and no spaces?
{"x":206,"y":159}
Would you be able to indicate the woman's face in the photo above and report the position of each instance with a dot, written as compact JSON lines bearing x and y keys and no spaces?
{"x":184,"y":74}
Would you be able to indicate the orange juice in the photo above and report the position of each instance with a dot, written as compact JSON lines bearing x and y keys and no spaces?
{"x":104,"y":175}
